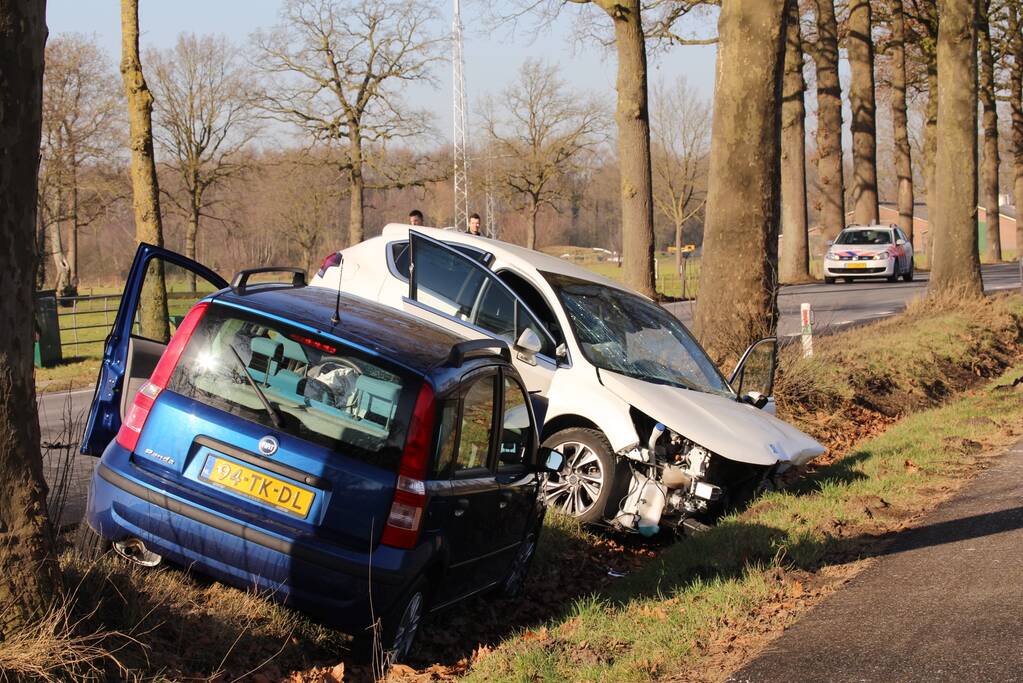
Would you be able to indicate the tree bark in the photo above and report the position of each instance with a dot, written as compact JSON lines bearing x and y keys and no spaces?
{"x":357,"y":187}
{"x":829,"y":122}
{"x":145,"y":188}
{"x":989,"y":185}
{"x":28,"y":572}
{"x":930,"y":156}
{"x":191,"y":232}
{"x":794,"y":261}
{"x":679,"y":225}
{"x":864,"y":111}
{"x":72,"y":233}
{"x":740,"y":245}
{"x":1016,"y":104}
{"x":633,"y":119}
{"x":900,"y":121}
{"x":531,"y":223}
{"x":956,"y":266}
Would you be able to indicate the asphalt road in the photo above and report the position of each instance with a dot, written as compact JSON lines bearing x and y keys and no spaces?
{"x":843,"y":304}
{"x":62,"y":418}
{"x":942,"y":604}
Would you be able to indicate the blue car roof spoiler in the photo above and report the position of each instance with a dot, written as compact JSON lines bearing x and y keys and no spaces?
{"x":475,"y":348}
{"x":241,"y":278}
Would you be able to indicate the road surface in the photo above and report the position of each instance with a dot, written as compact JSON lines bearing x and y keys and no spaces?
{"x":62,"y":415}
{"x":942,"y":604}
{"x":842,"y":304}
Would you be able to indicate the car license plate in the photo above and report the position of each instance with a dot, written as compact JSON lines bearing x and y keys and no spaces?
{"x":252,"y":484}
{"x":857,"y":265}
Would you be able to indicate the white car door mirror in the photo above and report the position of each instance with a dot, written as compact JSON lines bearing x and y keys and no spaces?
{"x":561,"y":354}
{"x":754,"y":374}
{"x":900,"y":243}
{"x":755,"y":399}
{"x":528,"y":343}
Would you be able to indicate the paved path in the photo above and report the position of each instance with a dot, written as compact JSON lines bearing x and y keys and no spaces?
{"x":842,"y":304}
{"x":944,"y":603}
{"x":62,"y":418}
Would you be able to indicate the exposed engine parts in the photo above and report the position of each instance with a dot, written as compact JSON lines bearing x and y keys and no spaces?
{"x":668,"y":483}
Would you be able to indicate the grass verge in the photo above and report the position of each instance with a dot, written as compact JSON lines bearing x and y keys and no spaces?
{"x":692,"y":613}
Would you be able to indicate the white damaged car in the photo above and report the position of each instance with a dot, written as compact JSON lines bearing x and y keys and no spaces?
{"x":652,"y":433}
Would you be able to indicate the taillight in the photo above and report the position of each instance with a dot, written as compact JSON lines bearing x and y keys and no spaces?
{"x":406,"y":515}
{"x":329,"y":262}
{"x":135,"y":420}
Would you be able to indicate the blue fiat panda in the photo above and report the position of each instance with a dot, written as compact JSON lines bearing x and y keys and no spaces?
{"x":342,"y":456}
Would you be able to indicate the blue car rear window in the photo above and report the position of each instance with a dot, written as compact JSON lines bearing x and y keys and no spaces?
{"x":325,"y":392}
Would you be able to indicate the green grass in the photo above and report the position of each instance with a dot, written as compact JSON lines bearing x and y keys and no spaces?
{"x":658,"y":622}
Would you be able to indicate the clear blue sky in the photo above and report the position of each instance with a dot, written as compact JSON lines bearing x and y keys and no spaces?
{"x":492,"y":56}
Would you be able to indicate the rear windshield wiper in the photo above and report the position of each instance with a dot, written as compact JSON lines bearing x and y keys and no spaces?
{"x":275,"y":416}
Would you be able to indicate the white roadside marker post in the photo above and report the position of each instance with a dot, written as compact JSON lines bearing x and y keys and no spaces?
{"x":806,"y":321}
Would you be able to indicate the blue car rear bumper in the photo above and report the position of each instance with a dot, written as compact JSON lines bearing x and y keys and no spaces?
{"x":331,"y":583}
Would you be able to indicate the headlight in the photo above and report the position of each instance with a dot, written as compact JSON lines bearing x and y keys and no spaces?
{"x":883,"y":256}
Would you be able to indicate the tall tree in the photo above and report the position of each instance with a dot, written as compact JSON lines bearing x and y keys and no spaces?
{"x":989,"y":186}
{"x":829,"y":120}
{"x":900,"y":119}
{"x":1016,"y":108}
{"x":80,"y":106}
{"x":28,"y":576}
{"x":145,"y":188}
{"x":204,"y":119}
{"x":338,"y":68}
{"x":956,"y":266}
{"x":633,"y":121}
{"x":864,"y":111}
{"x":541,"y":130}
{"x":794,"y":260}
{"x":740,"y":244}
{"x":680,"y":137}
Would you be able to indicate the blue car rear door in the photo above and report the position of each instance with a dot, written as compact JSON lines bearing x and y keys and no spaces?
{"x":137,"y":338}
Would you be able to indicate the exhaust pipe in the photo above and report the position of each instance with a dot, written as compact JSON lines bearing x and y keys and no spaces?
{"x":134,"y":550}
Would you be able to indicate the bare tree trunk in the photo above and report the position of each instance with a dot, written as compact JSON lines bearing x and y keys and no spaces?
{"x":740,"y":245}
{"x":956,"y":266}
{"x":145,"y":188}
{"x":40,"y":249}
{"x":358,"y":188}
{"x":28,"y":573}
{"x":191,"y":232}
{"x":930,"y":156}
{"x":633,"y":120}
{"x":679,"y":225}
{"x":900,"y":120}
{"x":63,"y":271}
{"x":1016,"y":103}
{"x":989,"y":185}
{"x":531,"y":223}
{"x":794,"y":261}
{"x":861,"y":99}
{"x":829,"y":122}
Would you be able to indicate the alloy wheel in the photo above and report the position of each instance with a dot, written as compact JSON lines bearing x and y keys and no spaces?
{"x":577,"y":487}
{"x":407,"y":627}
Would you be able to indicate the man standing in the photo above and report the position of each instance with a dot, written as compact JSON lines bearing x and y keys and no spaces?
{"x":474,"y":225}
{"x":415,"y":217}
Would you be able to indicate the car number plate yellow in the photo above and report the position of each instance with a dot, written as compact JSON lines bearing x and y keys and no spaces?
{"x":857,"y":265}
{"x":262,"y":487}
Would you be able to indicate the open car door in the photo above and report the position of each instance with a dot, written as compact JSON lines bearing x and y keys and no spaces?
{"x":137,"y":339}
{"x":753,"y":377}
{"x":452,"y":290}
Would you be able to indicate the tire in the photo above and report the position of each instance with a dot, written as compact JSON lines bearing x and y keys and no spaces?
{"x":908,"y":277}
{"x":396,"y":641}
{"x":589,"y":485}
{"x":515,"y":581}
{"x":894,"y":277}
{"x":829,"y":280}
{"x":89,"y":544}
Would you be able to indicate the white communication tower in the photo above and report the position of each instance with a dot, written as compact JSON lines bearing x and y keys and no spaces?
{"x":460,"y":141}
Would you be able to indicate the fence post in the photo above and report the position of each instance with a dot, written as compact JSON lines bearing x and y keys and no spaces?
{"x":806,"y":321}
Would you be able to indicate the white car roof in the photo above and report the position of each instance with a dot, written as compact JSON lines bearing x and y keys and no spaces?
{"x":513,"y":255}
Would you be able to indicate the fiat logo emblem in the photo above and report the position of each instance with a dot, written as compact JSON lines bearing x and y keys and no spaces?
{"x":268,"y":445}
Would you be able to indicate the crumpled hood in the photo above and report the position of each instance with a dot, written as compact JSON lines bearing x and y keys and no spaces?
{"x":734,"y":430}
